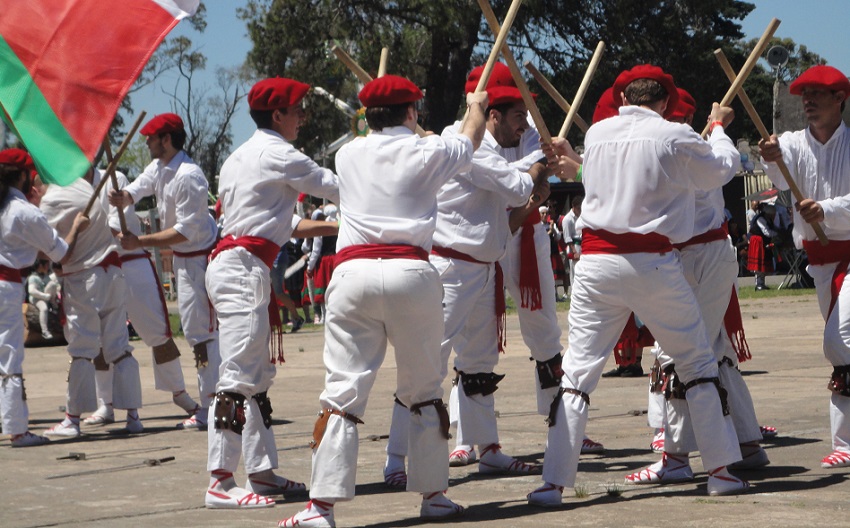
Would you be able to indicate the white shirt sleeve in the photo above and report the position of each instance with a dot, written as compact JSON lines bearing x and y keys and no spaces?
{"x":192,"y":213}
{"x":145,"y":184}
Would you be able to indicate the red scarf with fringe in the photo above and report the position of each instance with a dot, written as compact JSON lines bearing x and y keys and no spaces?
{"x":529,"y":272}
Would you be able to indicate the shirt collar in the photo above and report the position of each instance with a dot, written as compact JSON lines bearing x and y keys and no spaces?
{"x":841,"y":130}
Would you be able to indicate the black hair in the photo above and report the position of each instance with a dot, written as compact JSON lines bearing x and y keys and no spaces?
{"x":502,"y":108}
{"x":9,"y":176}
{"x":178,"y":138}
{"x":645,"y":92}
{"x":262,"y":118}
{"x":381,"y":117}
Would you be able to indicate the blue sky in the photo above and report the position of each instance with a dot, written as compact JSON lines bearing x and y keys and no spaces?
{"x":820,"y":25}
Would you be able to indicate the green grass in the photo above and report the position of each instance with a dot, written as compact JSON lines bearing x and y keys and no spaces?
{"x":749,"y":292}
{"x":174,"y":319}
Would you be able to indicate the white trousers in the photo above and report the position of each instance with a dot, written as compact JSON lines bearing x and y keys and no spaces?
{"x":836,"y":346}
{"x":239,"y":286}
{"x":198,"y":319}
{"x":95,"y":314}
{"x":711,"y":269}
{"x":13,"y":408}
{"x":369,"y":303}
{"x":469,"y":308}
{"x":607,"y":289}
{"x":540,"y":330}
{"x":146,"y":310}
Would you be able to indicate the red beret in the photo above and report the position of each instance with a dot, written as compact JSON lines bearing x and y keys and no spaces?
{"x":687,"y":105}
{"x":389,"y":90}
{"x":162,"y":124}
{"x":500,"y":76}
{"x":607,"y":106}
{"x":821,"y":77}
{"x":276,"y":93}
{"x":17,"y":157}
{"x":648,"y":71}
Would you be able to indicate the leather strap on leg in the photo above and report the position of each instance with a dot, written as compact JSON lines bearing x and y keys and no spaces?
{"x":265,"y":405}
{"x":398,"y":402}
{"x":726,"y":361}
{"x":229,"y":411}
{"x":322,"y":424}
{"x":672,"y":386}
{"x":839,"y":383}
{"x":483,"y":383}
{"x":201,"y":358}
{"x":553,"y":407}
{"x":442,"y":413}
{"x":100,"y":362}
{"x":165,"y":352}
{"x":724,"y":403}
{"x":549,"y":372}
{"x":4,"y":377}
{"x":657,"y":378}
{"x":122,"y":357}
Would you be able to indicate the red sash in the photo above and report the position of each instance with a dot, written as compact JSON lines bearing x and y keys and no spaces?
{"x":734,"y":324}
{"x":10,"y":274}
{"x":836,"y":251}
{"x":266,"y":251}
{"x":711,"y":235}
{"x":380,"y":251}
{"x":596,"y":241}
{"x":529,"y":274}
{"x":146,"y":256}
{"x":204,"y":252}
{"x":501,"y":316}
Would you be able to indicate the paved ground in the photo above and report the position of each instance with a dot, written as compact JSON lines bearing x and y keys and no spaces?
{"x":114,"y":487}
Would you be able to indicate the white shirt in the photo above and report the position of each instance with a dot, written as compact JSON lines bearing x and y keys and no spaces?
{"x":822,"y":172}
{"x":61,"y":205}
{"x":641,"y":173}
{"x":527,"y":153}
{"x":182,"y":195}
{"x":131,"y":219}
{"x":471,"y":206}
{"x":388,"y":185}
{"x":569,"y":228}
{"x":24,"y":231}
{"x":260,"y":183}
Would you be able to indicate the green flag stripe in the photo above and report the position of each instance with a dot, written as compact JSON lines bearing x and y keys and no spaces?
{"x":55,"y":152}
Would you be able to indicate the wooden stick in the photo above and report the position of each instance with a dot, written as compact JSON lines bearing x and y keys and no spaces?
{"x":517,"y":74}
{"x":382,"y":65}
{"x":501,"y":38}
{"x":361,"y":74}
{"x":114,"y":163}
{"x":554,"y":94}
{"x":765,"y":134}
{"x":114,"y":178}
{"x":748,"y":67}
{"x":582,"y":89}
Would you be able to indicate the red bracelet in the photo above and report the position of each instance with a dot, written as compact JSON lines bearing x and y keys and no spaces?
{"x":714,"y":124}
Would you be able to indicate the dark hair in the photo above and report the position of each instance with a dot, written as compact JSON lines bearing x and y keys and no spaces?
{"x":178,"y":138}
{"x":645,"y":92}
{"x":577,"y":200}
{"x":262,"y":118}
{"x":381,"y":117}
{"x":502,"y":108}
{"x":9,"y":176}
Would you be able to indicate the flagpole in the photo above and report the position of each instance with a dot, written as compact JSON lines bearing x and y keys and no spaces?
{"x":114,"y":162}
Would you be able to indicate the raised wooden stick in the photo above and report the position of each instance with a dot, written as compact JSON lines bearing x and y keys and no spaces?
{"x":539,"y":123}
{"x":748,"y":67}
{"x":554,"y":94}
{"x":382,"y":65}
{"x":501,"y":38}
{"x":114,"y":163}
{"x":360,"y":73}
{"x":114,"y":178}
{"x":582,"y":89}
{"x":765,"y":134}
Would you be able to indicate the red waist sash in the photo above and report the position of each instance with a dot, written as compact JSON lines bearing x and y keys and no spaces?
{"x":501,"y":316}
{"x":205,"y":252}
{"x":135,"y":256}
{"x":529,"y":274}
{"x":596,"y":241}
{"x":380,"y":251}
{"x":711,"y":235}
{"x":10,"y":274}
{"x":836,"y":251}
